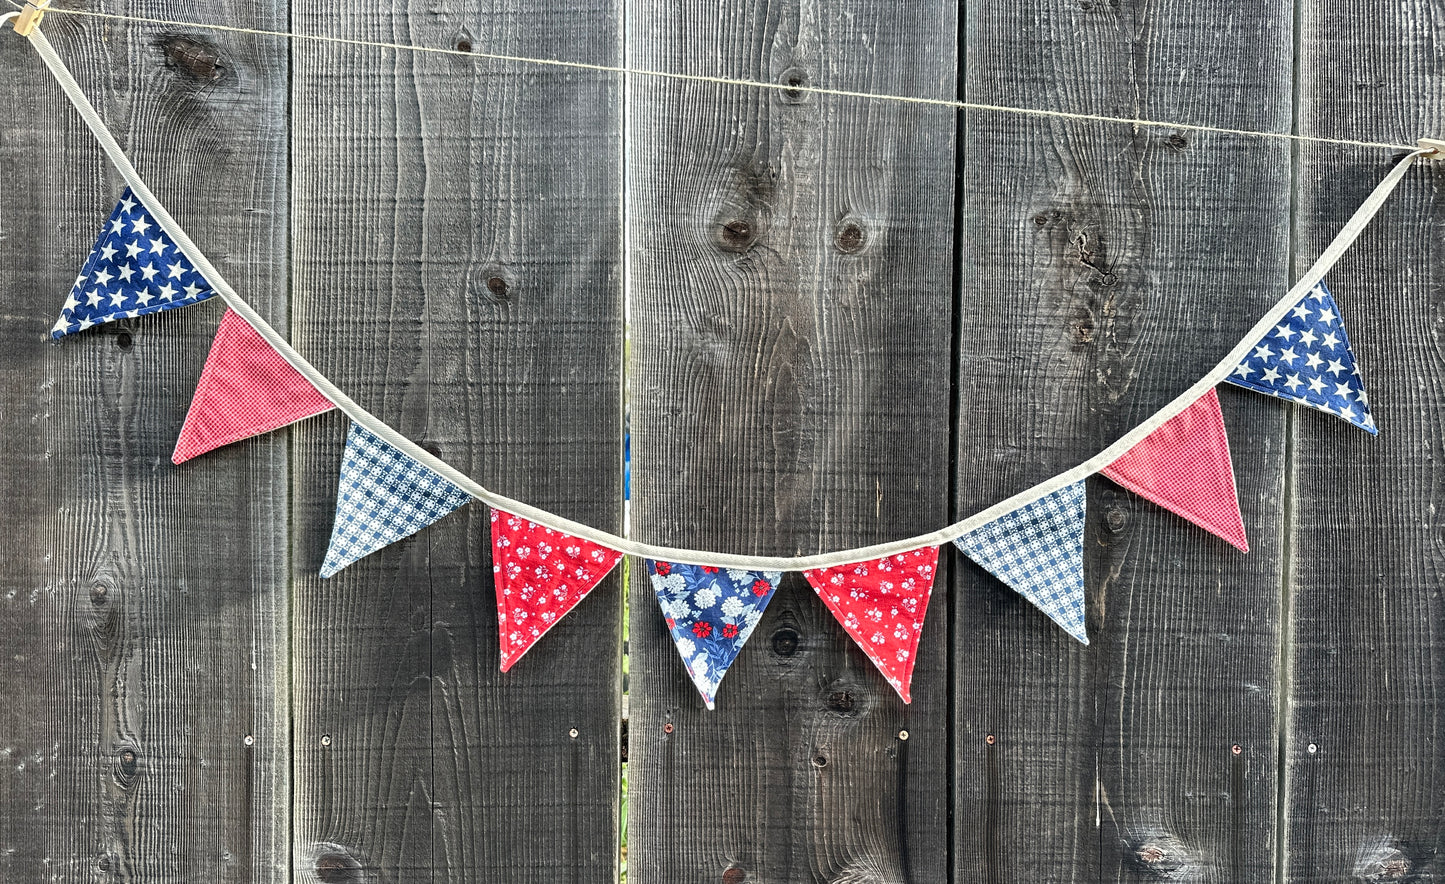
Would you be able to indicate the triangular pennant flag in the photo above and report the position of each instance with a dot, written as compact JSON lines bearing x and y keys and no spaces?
{"x":710,"y":613}
{"x":246,"y":389}
{"x":382,"y":496}
{"x":131,"y":271}
{"x":541,"y":575}
{"x":881,"y":604}
{"x":1307,"y":359}
{"x":1184,"y":466}
{"x":1038,"y":550}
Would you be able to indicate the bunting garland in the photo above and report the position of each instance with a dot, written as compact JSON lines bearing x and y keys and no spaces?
{"x":389,"y":488}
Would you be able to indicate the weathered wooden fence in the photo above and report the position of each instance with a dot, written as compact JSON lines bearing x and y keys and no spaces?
{"x":852,"y":321}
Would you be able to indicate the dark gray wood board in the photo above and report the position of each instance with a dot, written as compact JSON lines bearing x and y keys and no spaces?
{"x":1104,"y":269}
{"x":791,"y":308}
{"x":142,"y":606}
{"x":458,"y":271}
{"x":1365,"y":751}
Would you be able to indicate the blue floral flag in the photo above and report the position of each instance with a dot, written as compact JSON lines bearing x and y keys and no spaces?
{"x":710,"y":613}
{"x":132,"y":270}
{"x":1038,"y":550}
{"x":382,"y":496}
{"x":1307,"y":359}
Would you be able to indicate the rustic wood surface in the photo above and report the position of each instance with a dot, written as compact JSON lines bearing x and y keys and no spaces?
{"x":852,"y":321}
{"x":1364,"y":752}
{"x":142,"y":607}
{"x":1100,"y":279}
{"x":457,"y":264}
{"x":791,"y":266}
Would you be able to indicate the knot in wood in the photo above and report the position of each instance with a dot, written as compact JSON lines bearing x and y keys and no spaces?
{"x":841,"y":702}
{"x":338,"y":868}
{"x":785,"y":642}
{"x":794,"y":78}
{"x":734,"y":875}
{"x":198,"y":59}
{"x":850,"y":238}
{"x":737,"y":235}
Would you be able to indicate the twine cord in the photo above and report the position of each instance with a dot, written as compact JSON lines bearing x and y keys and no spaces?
{"x":727,"y":81}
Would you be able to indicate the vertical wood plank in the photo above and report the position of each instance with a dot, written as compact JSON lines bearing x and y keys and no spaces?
{"x":1365,"y":767}
{"x":791,"y":318}
{"x":1106,"y":269}
{"x":458,"y":271}
{"x":142,"y":606}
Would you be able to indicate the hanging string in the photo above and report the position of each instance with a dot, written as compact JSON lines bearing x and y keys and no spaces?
{"x":735,"y":81}
{"x":1342,"y":241}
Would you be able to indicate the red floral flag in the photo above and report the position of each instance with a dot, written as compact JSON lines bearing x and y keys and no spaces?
{"x":541,"y":574}
{"x":246,"y":389}
{"x":882,"y":604}
{"x":1184,"y":466}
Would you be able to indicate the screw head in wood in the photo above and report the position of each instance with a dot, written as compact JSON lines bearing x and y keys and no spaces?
{"x":326,"y":739}
{"x":572,"y":733}
{"x":249,"y":740}
{"x":1312,"y":748}
{"x":990,"y":739}
{"x":903,"y":736}
{"x":667,"y":728}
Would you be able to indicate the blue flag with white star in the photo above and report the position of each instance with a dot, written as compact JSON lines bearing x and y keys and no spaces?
{"x":132,"y":270}
{"x":1307,"y":359}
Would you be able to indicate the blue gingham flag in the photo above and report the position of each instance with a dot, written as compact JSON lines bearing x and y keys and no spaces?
{"x":132,"y":270}
{"x":1038,"y":550}
{"x":1307,"y":359}
{"x":382,"y":497}
{"x":710,"y":612}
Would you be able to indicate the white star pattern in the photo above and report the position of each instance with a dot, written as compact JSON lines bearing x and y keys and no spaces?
{"x":1327,"y":379}
{"x":106,"y":289}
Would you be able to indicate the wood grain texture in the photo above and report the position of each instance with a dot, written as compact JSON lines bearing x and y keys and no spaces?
{"x":458,"y":271}
{"x":1365,"y":751}
{"x":1105,"y":270}
{"x":791,"y":318}
{"x":142,"y":606}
